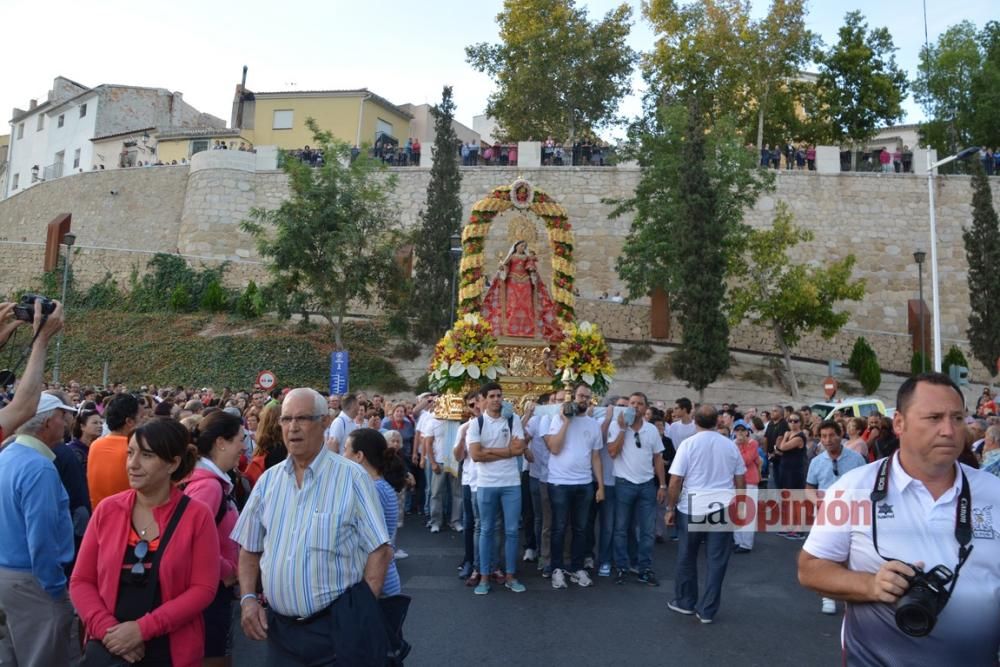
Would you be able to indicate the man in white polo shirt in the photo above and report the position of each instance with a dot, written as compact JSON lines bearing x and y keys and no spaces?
{"x":708,"y":468}
{"x":494,"y":446}
{"x":342,"y":424}
{"x":635,"y":446}
{"x":915,"y":520}
{"x":574,"y":444}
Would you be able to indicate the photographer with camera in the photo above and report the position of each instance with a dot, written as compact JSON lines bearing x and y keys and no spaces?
{"x":919,"y":568}
{"x":46,"y":318}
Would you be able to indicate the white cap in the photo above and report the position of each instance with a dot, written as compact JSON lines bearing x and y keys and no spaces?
{"x":48,"y":402}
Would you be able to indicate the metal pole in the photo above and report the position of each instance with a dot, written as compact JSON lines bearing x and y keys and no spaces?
{"x":936,"y":308}
{"x":55,"y":367}
{"x":923,"y":339}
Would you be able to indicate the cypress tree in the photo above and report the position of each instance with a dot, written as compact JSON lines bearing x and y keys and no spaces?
{"x":982,"y":251}
{"x":441,"y":217}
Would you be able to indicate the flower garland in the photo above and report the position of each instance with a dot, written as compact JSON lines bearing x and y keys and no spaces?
{"x":473,"y":280}
{"x":468,"y":351}
{"x":583,"y":355}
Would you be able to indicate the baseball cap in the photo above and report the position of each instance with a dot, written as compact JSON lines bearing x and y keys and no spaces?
{"x":740,"y":424}
{"x":48,"y":402}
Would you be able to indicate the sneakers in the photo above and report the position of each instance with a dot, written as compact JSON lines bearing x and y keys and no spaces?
{"x":829,"y":606}
{"x":673,"y":605}
{"x":457,"y":526}
{"x":634,"y":570}
{"x":546,"y":571}
{"x":620,"y":576}
{"x":605,"y":570}
{"x":588,"y":563}
{"x":648,"y":578}
{"x":466,"y":571}
{"x":741,"y":550}
{"x":530,"y":556}
{"x":703,"y":620}
{"x":581,"y":578}
{"x":514,"y":586}
{"x":435,"y":528}
{"x":483,"y":588}
{"x":558,"y":578}
{"x":428,"y":523}
{"x":400,"y":554}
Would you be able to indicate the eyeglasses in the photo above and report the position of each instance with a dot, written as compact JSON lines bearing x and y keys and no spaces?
{"x":638,"y":443}
{"x":140,"y":551}
{"x":286,"y":420}
{"x":472,"y":405}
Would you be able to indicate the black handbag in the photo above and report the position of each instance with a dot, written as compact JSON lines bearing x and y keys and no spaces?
{"x":95,"y":654}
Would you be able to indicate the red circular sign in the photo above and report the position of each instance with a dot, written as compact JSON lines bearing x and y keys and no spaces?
{"x":266,"y":380}
{"x":830,"y":387}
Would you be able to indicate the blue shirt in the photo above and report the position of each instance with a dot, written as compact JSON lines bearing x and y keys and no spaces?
{"x":821,"y":474}
{"x":37,"y":534}
{"x":390,"y":508}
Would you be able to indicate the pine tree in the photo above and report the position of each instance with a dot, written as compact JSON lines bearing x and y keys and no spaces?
{"x":982,"y":251}
{"x":441,"y":217}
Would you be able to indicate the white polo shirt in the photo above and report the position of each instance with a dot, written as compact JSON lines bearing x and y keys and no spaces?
{"x":538,"y":426}
{"x":707,"y":461}
{"x":436,"y":428}
{"x":339,"y":429}
{"x":678,"y":432}
{"x":635,"y":464}
{"x":912,"y":527}
{"x":573,"y":465}
{"x":496,"y":435}
{"x":468,"y":465}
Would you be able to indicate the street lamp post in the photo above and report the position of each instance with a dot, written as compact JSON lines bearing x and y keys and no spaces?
{"x":456,"y":255}
{"x":936,"y":309}
{"x":69,"y":239}
{"x":919,"y":256}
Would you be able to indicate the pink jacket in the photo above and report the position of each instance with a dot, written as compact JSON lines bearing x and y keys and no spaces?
{"x":185,"y":588}
{"x":203,"y":485}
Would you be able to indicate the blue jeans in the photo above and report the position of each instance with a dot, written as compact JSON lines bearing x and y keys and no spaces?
{"x":543,"y":518}
{"x":428,"y":479}
{"x":468,"y":525}
{"x":567,"y":500}
{"x":490,"y":500}
{"x":606,"y":514}
{"x":718,"y":547}
{"x":638,"y":501}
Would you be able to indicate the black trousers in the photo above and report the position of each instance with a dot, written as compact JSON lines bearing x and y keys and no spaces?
{"x":300,"y":644}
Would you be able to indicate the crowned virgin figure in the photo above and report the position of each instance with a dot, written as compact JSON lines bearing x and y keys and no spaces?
{"x":517,"y":303}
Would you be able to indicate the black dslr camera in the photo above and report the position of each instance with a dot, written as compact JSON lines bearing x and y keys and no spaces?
{"x":917,"y":610}
{"x":572,"y":409}
{"x":25,"y":310}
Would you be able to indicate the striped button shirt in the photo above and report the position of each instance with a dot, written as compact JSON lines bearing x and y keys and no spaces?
{"x":315,"y":539}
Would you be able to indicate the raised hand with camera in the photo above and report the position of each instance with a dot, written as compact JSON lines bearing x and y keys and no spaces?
{"x":46,"y":317}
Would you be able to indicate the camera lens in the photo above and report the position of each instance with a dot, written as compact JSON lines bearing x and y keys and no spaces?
{"x":914,"y":615}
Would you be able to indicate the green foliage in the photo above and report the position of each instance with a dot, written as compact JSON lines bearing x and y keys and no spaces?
{"x":919,"y":363}
{"x":422,"y":384}
{"x":986,"y":90}
{"x":861,"y":351}
{"x":251,"y":302}
{"x":634,"y":354}
{"x":982,"y":252}
{"x":859,"y":83}
{"x":180,"y":299}
{"x":103,"y":294}
{"x":333,"y":241}
{"x":213,"y":299}
{"x":165,"y":273}
{"x":555,"y":72}
{"x":870,"y":375}
{"x":955,"y":357}
{"x":441,"y":218}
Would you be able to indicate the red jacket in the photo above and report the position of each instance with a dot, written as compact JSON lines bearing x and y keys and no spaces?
{"x":203,"y":485}
{"x":185,"y":589}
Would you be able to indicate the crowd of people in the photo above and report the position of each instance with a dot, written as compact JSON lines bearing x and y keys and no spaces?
{"x":297,"y":497}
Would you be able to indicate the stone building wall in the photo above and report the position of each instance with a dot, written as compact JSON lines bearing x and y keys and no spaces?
{"x":196,"y":210}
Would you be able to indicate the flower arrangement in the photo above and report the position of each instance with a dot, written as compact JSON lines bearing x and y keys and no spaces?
{"x":468,"y":351}
{"x":473,"y":278}
{"x":583,"y":356}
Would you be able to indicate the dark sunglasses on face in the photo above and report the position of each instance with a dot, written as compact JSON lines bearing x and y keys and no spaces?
{"x":793,"y":421}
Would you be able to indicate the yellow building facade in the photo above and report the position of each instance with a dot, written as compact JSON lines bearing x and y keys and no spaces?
{"x":353,"y":116}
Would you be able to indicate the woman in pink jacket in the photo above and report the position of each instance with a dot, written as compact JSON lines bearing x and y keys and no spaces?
{"x":138,"y":585}
{"x":219,"y":439}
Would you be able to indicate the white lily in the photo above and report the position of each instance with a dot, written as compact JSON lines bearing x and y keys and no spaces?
{"x":473,"y":371}
{"x":457,"y":368}
{"x":588,"y":378}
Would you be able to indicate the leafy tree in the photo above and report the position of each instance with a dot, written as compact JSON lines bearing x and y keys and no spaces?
{"x":331,"y":243}
{"x":982,"y":252}
{"x":861,"y":351}
{"x":441,"y":217}
{"x":214,"y":298}
{"x":251,"y":303}
{"x":790,"y":299}
{"x":180,"y":299}
{"x":870,"y":375}
{"x":556,"y":72}
{"x":859,"y":82}
{"x":943,"y":87}
{"x":985,"y":97}
{"x":954,"y":357}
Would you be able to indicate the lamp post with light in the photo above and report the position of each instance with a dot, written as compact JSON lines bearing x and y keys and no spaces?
{"x":919,"y":256}
{"x":69,"y":238}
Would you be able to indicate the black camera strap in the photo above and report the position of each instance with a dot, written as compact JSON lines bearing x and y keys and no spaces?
{"x":963,"y":516}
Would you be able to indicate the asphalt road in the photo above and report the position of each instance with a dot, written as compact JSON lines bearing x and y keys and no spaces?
{"x":766,"y":618}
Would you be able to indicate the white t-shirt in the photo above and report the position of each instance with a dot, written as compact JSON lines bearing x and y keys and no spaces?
{"x":468,"y":465}
{"x":538,"y":426}
{"x":496,"y":435}
{"x":912,"y":527}
{"x":436,"y":428}
{"x":340,"y":428}
{"x":678,"y":432}
{"x":635,"y":464}
{"x":707,"y":461}
{"x":573,"y":464}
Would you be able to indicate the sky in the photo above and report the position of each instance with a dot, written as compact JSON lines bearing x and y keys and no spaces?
{"x":403,"y":51}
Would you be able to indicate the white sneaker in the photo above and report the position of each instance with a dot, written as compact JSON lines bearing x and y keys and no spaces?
{"x":558,"y":578}
{"x":581,"y":578}
{"x":435,"y":528}
{"x":530,"y":556}
{"x":457,"y":526}
{"x":829,"y":606}
{"x":400,"y":554}
{"x":588,"y":563}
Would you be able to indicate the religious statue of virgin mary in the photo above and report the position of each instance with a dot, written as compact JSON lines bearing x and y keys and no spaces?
{"x":517,"y":303}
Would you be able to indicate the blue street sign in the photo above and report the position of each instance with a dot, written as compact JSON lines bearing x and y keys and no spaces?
{"x":339,"y":366}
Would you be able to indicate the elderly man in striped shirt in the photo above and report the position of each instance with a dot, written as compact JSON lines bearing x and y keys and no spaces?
{"x":312,"y":530}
